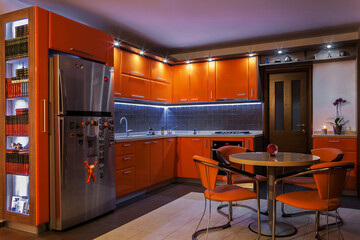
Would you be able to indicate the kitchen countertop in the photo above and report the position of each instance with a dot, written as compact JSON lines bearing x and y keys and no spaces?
{"x":137,"y":136}
{"x":334,"y":136}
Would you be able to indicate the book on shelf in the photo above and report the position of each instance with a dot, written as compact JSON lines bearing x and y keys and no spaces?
{"x":16,"y":47}
{"x":17,"y":161}
{"x":19,"y":204}
{"x":21,"y":31}
{"x":17,"y":125}
{"x":17,"y":87}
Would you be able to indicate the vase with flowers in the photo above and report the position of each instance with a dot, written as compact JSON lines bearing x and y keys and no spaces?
{"x":339,"y":121}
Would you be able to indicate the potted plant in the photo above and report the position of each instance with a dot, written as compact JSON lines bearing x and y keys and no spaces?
{"x":339,"y":121}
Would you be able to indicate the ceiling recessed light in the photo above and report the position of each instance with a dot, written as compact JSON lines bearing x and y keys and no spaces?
{"x":116,"y":43}
{"x":188,"y":61}
{"x":210,"y":59}
{"x":165,"y":60}
{"x":251,"y":54}
{"x":280,"y":51}
{"x":141,"y":52}
{"x":329,"y":46}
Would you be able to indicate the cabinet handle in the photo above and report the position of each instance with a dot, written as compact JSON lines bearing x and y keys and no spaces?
{"x":119,"y":94}
{"x":127,"y":158}
{"x":210,"y":94}
{"x":170,"y":140}
{"x":138,"y":96}
{"x":80,"y":51}
{"x":241,"y":94}
{"x":196,"y":139}
{"x":146,"y":142}
{"x":183,"y":99}
{"x":252,"y":93}
{"x":161,"y":99}
{"x":44,"y":104}
{"x":194,"y":99}
{"x":334,"y":141}
{"x":136,"y":73}
{"x":126,"y":145}
{"x":155,"y":141}
{"x":161,"y":79}
{"x":127,"y":172}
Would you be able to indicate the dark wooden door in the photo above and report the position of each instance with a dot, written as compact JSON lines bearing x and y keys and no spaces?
{"x":288,"y":121}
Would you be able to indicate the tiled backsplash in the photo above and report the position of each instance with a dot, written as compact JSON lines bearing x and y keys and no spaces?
{"x":219,"y":117}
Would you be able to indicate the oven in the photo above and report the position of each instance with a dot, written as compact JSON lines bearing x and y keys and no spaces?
{"x":218,"y":144}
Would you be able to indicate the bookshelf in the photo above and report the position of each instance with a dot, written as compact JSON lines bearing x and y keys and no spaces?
{"x":24,"y":193}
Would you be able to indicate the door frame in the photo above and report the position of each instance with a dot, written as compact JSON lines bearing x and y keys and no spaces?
{"x":265,"y":73}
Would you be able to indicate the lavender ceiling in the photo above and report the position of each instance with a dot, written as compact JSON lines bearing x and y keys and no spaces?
{"x":173,"y":26}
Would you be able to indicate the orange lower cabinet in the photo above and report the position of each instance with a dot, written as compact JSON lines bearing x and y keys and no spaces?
{"x":188,"y":148}
{"x":135,"y":87}
{"x":352,"y":180}
{"x":124,"y":161}
{"x":156,"y":161}
{"x":169,"y":158}
{"x":142,"y":164}
{"x":125,"y":181}
{"x":124,"y":148}
{"x":159,"y":92}
{"x":207,"y":147}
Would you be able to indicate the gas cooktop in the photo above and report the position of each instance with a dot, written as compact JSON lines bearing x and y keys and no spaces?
{"x":232,"y":132}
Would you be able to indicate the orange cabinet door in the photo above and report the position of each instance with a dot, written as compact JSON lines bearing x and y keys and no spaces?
{"x":169,"y":158}
{"x":253,"y":78}
{"x":211,"y":82}
{"x":345,"y":144}
{"x":135,"y":64}
{"x":71,"y":37}
{"x":189,"y":147}
{"x":125,"y":181}
{"x":159,"y":92}
{"x":124,"y":161}
{"x":180,"y":84}
{"x":352,"y":180}
{"x":199,"y":73}
{"x":124,"y":148}
{"x":135,"y":87}
{"x":110,"y":50}
{"x":156,"y":161}
{"x":160,"y":71}
{"x":207,"y":147}
{"x":117,"y":72}
{"x":232,"y":79}
{"x":142,"y":164}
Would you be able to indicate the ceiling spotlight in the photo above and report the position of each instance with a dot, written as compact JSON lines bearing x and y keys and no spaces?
{"x":210,"y":59}
{"x":251,"y":54}
{"x":187,"y":61}
{"x":280,"y":52}
{"x":141,"y":52}
{"x":165,"y":60}
{"x":116,"y":43}
{"x":328,"y":46}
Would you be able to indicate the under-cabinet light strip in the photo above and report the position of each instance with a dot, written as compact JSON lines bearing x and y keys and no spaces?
{"x":192,"y":105}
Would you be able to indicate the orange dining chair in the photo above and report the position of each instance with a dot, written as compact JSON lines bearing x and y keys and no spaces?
{"x":330,"y":179}
{"x":208,"y":170}
{"x":326,"y":155}
{"x":223,"y":154}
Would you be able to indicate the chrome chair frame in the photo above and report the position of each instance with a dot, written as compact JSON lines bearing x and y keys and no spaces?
{"x":317,"y":213}
{"x":228,"y":224}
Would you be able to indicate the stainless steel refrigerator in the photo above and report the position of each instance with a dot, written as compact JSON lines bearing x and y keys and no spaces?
{"x":82,"y":168}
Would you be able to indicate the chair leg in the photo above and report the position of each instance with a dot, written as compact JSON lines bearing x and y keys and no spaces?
{"x":317,"y":224}
{"x":258,"y":211}
{"x":338,"y":225}
{"x":273,"y":227}
{"x":233,"y":205}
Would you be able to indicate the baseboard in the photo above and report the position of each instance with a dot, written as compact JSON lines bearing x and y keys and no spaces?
{"x":26,"y":228}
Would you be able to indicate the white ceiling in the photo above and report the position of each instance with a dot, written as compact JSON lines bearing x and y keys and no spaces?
{"x":171,"y":26}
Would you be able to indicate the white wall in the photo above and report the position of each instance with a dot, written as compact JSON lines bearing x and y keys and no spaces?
{"x":331,"y":81}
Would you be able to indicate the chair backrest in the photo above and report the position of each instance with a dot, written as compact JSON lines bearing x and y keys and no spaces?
{"x":331,"y":181}
{"x":224,"y":152}
{"x":328,"y":154}
{"x":206,"y":171}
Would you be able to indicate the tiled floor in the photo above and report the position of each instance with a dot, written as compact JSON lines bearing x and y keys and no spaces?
{"x":172,"y":213}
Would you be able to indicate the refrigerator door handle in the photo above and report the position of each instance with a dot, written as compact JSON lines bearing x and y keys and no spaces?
{"x":61,"y":98}
{"x":62,"y":165}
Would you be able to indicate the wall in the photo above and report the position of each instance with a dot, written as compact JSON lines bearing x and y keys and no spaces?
{"x":331,"y":81}
{"x":219,"y":117}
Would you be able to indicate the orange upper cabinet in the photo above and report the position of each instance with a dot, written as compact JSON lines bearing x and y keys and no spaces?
{"x":160,"y":71}
{"x":198,"y":82}
{"x":232,"y":79}
{"x":253,"y":78}
{"x":117,"y":72}
{"x":135,"y":87}
{"x":180,"y":84}
{"x":71,"y":37}
{"x":211,"y":82}
{"x":135,"y":64}
{"x":109,"y":50}
{"x":159,"y":92}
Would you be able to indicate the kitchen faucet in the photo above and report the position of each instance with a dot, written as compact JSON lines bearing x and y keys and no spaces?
{"x":126,"y":125}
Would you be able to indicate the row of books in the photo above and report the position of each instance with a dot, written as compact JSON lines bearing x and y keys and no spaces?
{"x":17,"y":125}
{"x":21,"y":31}
{"x":17,"y":88}
{"x":21,"y":73}
{"x":16,"y":48}
{"x":19,"y":204}
{"x":17,"y":162}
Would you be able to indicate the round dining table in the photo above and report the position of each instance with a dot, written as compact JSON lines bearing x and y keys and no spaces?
{"x":280,"y":160}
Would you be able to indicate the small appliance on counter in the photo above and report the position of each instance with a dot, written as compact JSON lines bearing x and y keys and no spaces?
{"x":82,"y":168}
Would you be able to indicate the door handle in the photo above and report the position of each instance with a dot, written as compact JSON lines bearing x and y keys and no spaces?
{"x":161,"y":99}
{"x":138,"y":96}
{"x":44,"y":104}
{"x":161,"y":79}
{"x":301,"y":125}
{"x":127,"y":158}
{"x":183,"y":99}
{"x":136,"y":73}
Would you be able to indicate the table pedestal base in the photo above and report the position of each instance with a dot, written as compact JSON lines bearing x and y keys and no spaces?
{"x":282,"y":229}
